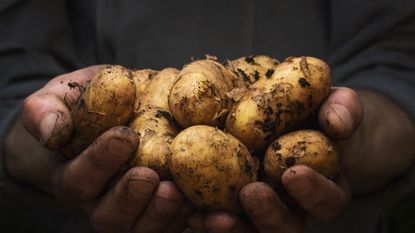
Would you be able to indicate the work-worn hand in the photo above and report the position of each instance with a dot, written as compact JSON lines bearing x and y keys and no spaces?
{"x":319,"y":197}
{"x":116,"y":199}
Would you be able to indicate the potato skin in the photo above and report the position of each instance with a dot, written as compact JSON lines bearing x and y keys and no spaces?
{"x":199,"y":95}
{"x":278,"y":104}
{"x":252,"y":68}
{"x":154,"y":123}
{"x":157,"y":129}
{"x":142,"y":79}
{"x":106,"y":101}
{"x":303,"y":147}
{"x":210,"y":167}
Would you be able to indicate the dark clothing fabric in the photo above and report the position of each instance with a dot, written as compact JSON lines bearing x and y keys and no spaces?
{"x":369,"y":44}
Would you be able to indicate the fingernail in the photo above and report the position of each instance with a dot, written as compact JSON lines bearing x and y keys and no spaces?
{"x":342,"y":114}
{"x":46,"y":127}
{"x":119,"y":146}
{"x":142,"y":186}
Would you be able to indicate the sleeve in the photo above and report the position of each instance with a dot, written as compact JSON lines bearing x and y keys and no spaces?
{"x":35,"y":45}
{"x":372,"y":44}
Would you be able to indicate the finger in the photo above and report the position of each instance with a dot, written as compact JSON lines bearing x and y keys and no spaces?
{"x":45,"y":114}
{"x":266,"y":211}
{"x":222,"y":222}
{"x":316,"y":194}
{"x":179,"y":223}
{"x":119,"y":209}
{"x":161,"y":210}
{"x":85,"y":177}
{"x":341,"y":113}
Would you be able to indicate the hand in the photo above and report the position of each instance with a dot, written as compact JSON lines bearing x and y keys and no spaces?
{"x":116,"y":199}
{"x":318,"y":196}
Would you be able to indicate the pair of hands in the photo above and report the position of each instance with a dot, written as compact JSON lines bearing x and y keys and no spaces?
{"x":135,"y":200}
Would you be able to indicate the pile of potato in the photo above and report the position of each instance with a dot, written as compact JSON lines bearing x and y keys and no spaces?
{"x":212,"y":127}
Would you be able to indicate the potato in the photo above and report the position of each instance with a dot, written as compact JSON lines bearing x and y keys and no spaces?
{"x":199,"y":95}
{"x":142,"y":79}
{"x":303,"y":147}
{"x":157,"y":129}
{"x":155,"y":124}
{"x":252,"y":68}
{"x":277,"y":104}
{"x":158,"y":90}
{"x":210,"y":167}
{"x":106,"y":101}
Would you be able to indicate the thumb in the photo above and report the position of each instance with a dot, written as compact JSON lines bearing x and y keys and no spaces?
{"x":341,"y":113}
{"x":45,"y":113}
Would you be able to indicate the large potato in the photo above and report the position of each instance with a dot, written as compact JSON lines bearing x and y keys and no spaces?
{"x":275,"y":105}
{"x":106,"y":101}
{"x":155,"y":124}
{"x":303,"y":147}
{"x":252,"y":68}
{"x":210,"y":167}
{"x":199,"y":95}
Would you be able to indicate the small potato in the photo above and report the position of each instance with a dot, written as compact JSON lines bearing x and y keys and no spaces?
{"x":157,"y":129}
{"x":157,"y":92}
{"x":106,"y":101}
{"x":155,"y":124}
{"x":304,"y":147}
{"x":252,"y":68}
{"x":142,"y":79}
{"x":275,"y":105}
{"x":199,"y":95}
{"x":210,"y":167}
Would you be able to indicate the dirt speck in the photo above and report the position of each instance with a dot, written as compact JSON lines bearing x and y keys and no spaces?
{"x":303,"y":82}
{"x":269,"y":73}
{"x":290,"y":161}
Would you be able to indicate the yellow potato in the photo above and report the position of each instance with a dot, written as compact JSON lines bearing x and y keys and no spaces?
{"x":277,"y":104}
{"x":199,"y":97}
{"x":107,"y":101}
{"x":252,"y":68}
{"x":210,"y":167}
{"x":155,"y":124}
{"x":157,"y":129}
{"x":303,"y":147}
{"x":142,"y":79}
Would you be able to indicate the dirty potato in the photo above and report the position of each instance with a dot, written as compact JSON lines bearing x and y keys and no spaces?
{"x":303,"y":147}
{"x":277,"y":104}
{"x":142,"y":79}
{"x":106,"y":101}
{"x":210,"y":167}
{"x":155,"y":125}
{"x":199,"y":95}
{"x":252,"y":68}
{"x":157,"y":129}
